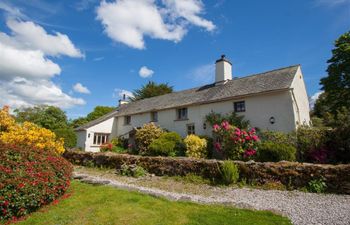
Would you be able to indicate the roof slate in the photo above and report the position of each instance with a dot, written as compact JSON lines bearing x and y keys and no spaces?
{"x":274,"y":80}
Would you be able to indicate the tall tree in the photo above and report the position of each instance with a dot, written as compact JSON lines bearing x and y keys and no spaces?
{"x":151,"y":89}
{"x":96,"y":113}
{"x":337,"y":84}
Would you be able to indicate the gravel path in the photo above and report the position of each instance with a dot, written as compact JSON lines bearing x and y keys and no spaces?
{"x":302,"y":208}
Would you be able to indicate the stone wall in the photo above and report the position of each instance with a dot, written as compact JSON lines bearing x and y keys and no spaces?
{"x":292,"y":174}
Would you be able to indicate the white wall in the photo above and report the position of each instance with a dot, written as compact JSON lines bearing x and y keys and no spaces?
{"x":301,"y":105}
{"x":107,"y":126}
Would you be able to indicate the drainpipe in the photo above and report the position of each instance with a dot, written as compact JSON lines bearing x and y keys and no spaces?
{"x":296,"y":103}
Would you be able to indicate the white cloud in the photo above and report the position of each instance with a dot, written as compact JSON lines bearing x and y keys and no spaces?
{"x":331,"y":3}
{"x":21,"y":92}
{"x":32,"y":36}
{"x":203,"y":74}
{"x":78,"y":87}
{"x":119,"y":93}
{"x":98,"y":59}
{"x":25,"y":70}
{"x":145,"y":72}
{"x":314,"y":98}
{"x":128,"y":21}
{"x":11,"y":10}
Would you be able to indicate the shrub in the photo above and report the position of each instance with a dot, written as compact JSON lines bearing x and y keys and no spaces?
{"x":132,"y":171}
{"x":27,"y":134}
{"x":145,"y":136}
{"x":234,"y":143}
{"x":196,"y":147}
{"x":109,"y":147}
{"x":232,"y":118}
{"x":30,"y":178}
{"x":210,"y":145}
{"x":166,"y":145}
{"x":68,"y":135}
{"x":229,"y":172}
{"x":275,"y":152}
{"x":317,"y":185}
{"x":310,"y":139}
{"x":278,"y":137}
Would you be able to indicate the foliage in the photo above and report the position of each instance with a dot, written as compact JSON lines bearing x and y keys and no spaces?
{"x":68,"y":135}
{"x":196,"y":147}
{"x":310,"y":139}
{"x":317,"y":185}
{"x":166,"y":145}
{"x":232,"y":118}
{"x":110,"y":147}
{"x":132,"y":171}
{"x":234,"y":143}
{"x":49,"y":117}
{"x":149,"y":210}
{"x":151,"y":89}
{"x":30,"y":178}
{"x":210,"y":145}
{"x":145,"y":136}
{"x":274,"y":152}
{"x":96,"y":113}
{"x":27,"y":134}
{"x":339,"y":138}
{"x":278,"y":137}
{"x":336,"y":84}
{"x":321,"y":106}
{"x":229,"y":172}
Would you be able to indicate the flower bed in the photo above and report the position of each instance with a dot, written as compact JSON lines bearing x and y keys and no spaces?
{"x":30,"y":178}
{"x":291,"y":174}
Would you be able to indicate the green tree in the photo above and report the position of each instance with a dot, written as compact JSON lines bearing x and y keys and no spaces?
{"x":151,"y":89}
{"x":337,"y":84}
{"x":321,"y":106}
{"x":78,"y":122}
{"x":98,"y":112}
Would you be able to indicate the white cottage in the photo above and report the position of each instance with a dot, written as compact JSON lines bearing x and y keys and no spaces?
{"x":274,"y":100}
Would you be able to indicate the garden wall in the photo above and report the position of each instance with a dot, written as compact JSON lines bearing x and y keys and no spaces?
{"x":291,"y":174}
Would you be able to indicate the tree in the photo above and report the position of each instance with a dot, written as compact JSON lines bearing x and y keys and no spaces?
{"x":98,"y":112}
{"x":78,"y":122}
{"x":150,"y":90}
{"x":321,"y":106}
{"x":337,"y":84}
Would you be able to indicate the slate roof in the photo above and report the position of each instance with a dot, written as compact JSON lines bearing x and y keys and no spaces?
{"x":275,"y":80}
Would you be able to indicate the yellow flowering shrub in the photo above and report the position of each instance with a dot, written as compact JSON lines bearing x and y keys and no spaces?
{"x":196,"y":147}
{"x":27,"y":134}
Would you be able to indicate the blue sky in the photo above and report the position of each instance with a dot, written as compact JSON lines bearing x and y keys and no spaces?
{"x":79,"y":54}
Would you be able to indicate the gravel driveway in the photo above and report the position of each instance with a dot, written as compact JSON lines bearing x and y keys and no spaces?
{"x":302,"y":208}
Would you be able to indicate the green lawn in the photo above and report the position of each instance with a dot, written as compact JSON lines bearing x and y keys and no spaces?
{"x":107,"y":205}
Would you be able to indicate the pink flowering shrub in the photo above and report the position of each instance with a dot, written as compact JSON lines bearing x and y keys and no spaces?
{"x":234,"y":143}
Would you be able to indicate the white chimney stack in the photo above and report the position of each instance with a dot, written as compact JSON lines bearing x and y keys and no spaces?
{"x":223,"y":70}
{"x":123,"y":101}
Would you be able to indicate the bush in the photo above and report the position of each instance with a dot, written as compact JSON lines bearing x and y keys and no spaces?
{"x":278,"y":137}
{"x":30,"y":178}
{"x":210,"y":145}
{"x":27,"y":134}
{"x":145,"y":136}
{"x":68,"y":135}
{"x":196,"y":147}
{"x":232,"y":118}
{"x":317,"y":185}
{"x":234,"y":143}
{"x":229,"y":172}
{"x":109,"y":147}
{"x":274,"y":152}
{"x":166,"y":145}
{"x":132,"y":171}
{"x":310,"y":139}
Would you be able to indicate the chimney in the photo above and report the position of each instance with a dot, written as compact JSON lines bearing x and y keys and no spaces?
{"x":123,"y":100}
{"x":223,"y":70}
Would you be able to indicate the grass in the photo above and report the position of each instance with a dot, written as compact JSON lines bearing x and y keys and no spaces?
{"x":107,"y":205}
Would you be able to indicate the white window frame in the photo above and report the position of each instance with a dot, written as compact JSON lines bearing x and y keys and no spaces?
{"x":127,"y":120}
{"x":154,"y":116}
{"x":191,"y":128}
{"x":240,"y":109}
{"x":100,"y":138}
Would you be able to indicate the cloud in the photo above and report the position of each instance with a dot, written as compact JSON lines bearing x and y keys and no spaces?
{"x":21,"y":92}
{"x":78,"y":87}
{"x":203,"y":74}
{"x":119,"y":93}
{"x":331,"y":3}
{"x":84,"y":4}
{"x":128,"y":21}
{"x":314,"y":98}
{"x":98,"y":59}
{"x":25,"y":70}
{"x":32,"y":36}
{"x":11,"y":11}
{"x":145,"y":72}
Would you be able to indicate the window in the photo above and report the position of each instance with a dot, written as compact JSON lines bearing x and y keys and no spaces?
{"x":182,"y":114}
{"x":239,"y":106}
{"x":127,"y":120}
{"x":154,"y":116}
{"x":191,"y":129}
{"x":100,"y":139}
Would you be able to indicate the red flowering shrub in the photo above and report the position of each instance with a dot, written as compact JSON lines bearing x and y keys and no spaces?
{"x":30,"y":178}
{"x":234,"y":143}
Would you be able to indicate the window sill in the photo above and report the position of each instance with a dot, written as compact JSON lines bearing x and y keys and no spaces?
{"x":181,"y":119}
{"x":153,"y":121}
